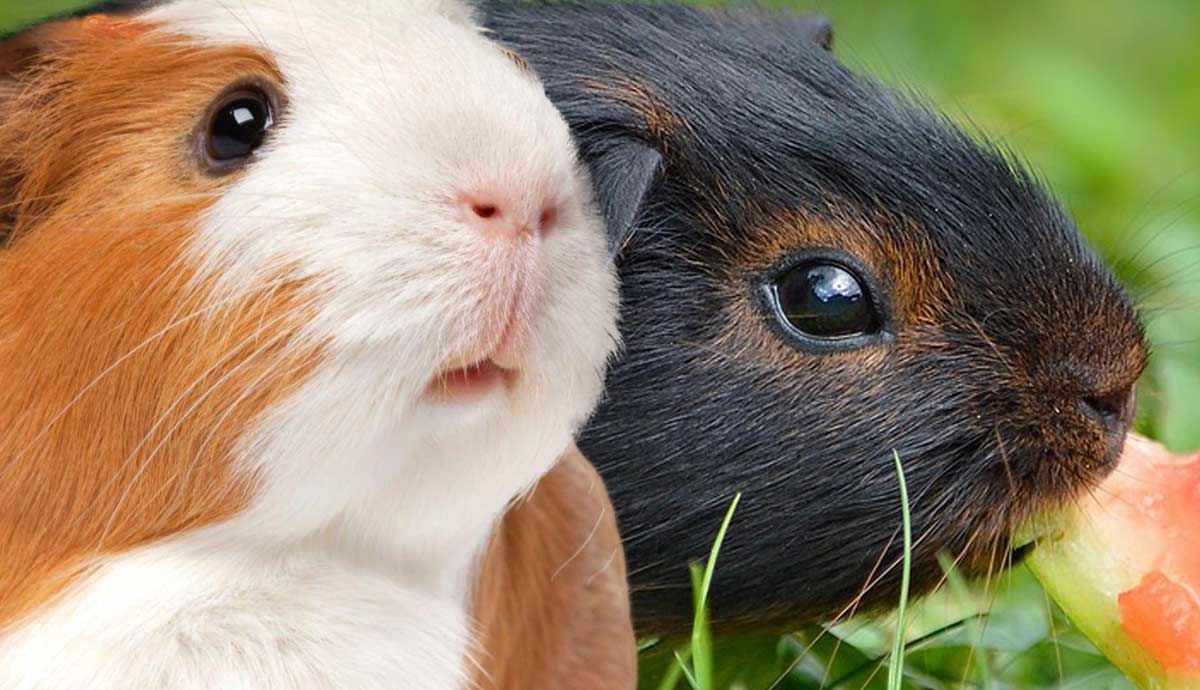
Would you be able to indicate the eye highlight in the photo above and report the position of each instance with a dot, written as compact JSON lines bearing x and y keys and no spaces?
{"x":237,"y":126}
{"x":824,"y":301}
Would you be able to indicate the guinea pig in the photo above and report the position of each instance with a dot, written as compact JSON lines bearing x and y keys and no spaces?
{"x":818,"y":273}
{"x":296,"y":298}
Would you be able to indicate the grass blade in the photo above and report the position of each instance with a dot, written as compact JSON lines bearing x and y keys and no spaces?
{"x":702,"y":648}
{"x":681,"y":664}
{"x":674,"y":673}
{"x":896,"y":668}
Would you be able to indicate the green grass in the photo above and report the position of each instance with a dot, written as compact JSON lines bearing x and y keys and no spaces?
{"x":896,"y":666}
{"x":699,"y":673}
{"x":1102,"y":97}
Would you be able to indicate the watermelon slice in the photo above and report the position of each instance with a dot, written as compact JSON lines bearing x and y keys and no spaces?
{"x":1124,"y":563}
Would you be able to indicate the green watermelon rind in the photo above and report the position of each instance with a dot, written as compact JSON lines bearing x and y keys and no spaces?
{"x":1085,"y":581}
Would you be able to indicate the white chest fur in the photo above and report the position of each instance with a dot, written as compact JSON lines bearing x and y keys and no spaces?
{"x":180,"y":617}
{"x":351,"y":569}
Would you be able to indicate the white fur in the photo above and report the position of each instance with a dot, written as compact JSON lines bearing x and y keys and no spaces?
{"x":351,"y":567}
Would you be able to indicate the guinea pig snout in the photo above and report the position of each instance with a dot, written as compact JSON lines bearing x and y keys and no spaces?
{"x":1112,"y":410}
{"x":506,"y":217}
{"x":1104,"y":392}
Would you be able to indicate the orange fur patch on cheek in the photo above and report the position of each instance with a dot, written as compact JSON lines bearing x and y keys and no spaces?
{"x":125,"y":389}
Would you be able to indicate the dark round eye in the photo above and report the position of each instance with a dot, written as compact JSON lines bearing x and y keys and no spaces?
{"x":238,"y":125}
{"x":824,"y":300}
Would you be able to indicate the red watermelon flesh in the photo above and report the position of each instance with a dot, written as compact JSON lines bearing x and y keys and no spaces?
{"x":1124,"y":563}
{"x":1164,"y":617}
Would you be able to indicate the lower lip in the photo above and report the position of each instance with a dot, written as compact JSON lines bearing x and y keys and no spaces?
{"x":469,"y":382}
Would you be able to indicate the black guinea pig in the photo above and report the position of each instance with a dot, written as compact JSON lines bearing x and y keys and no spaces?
{"x":817,"y":272}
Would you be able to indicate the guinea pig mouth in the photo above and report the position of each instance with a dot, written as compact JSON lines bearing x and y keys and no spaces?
{"x":1020,"y":553}
{"x":472,"y":376}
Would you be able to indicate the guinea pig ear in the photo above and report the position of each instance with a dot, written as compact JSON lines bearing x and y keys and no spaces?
{"x":20,"y":55}
{"x":816,"y":28}
{"x":16,"y":54}
{"x":623,"y":170}
{"x":19,"y":52}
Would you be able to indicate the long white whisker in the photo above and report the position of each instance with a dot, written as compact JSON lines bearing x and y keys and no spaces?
{"x":124,"y":358}
{"x":232,"y":352}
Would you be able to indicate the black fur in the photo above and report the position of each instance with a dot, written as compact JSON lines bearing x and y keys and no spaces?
{"x":623,"y":170}
{"x":981,"y":391}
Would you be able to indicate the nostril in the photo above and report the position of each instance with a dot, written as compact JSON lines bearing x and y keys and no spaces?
{"x":547,"y":219}
{"x":1114,"y":410}
{"x":485,"y":211}
{"x":500,"y":217}
{"x":488,"y":218}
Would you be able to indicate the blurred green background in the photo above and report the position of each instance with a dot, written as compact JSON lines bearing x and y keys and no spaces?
{"x":18,"y":13}
{"x":1103,"y":98}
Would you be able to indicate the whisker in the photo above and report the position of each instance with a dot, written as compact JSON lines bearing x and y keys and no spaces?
{"x":1160,"y":260}
{"x":1136,"y":223}
{"x":1181,"y":211}
{"x":124,"y":358}
{"x":219,"y":423}
{"x":232,"y":352}
{"x":993,"y":596}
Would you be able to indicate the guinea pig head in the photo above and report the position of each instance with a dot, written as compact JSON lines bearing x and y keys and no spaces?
{"x":270,"y":266}
{"x":819,"y":274}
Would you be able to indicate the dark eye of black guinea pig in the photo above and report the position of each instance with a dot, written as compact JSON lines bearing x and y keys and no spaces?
{"x":815,"y":272}
{"x":822,"y":305}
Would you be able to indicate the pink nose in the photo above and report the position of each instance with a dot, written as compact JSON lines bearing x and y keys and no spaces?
{"x":491,"y":217}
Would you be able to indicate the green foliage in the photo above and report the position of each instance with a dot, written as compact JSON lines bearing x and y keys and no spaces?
{"x":699,"y":673}
{"x":15,"y":14}
{"x":1006,"y":636}
{"x":1103,"y":98}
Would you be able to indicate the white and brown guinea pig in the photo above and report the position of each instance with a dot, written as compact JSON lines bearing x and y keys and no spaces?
{"x":296,"y":297}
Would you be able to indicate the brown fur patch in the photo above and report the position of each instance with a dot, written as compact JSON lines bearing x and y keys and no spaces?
{"x":551,"y":601}
{"x":522,"y":64}
{"x":124,"y":388}
{"x":656,"y":117}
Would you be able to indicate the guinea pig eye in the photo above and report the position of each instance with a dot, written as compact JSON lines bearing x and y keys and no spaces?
{"x":237,"y":126}
{"x":824,"y":301}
